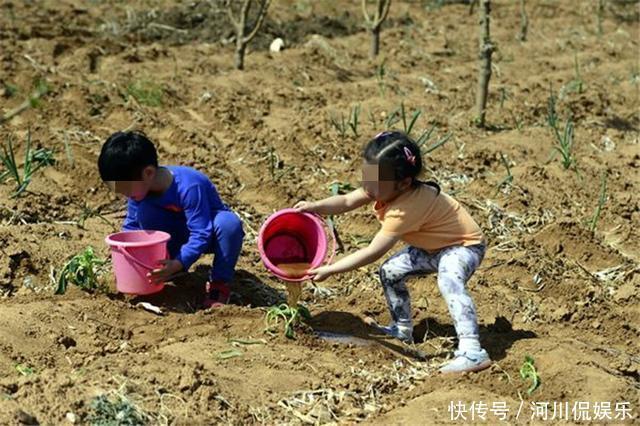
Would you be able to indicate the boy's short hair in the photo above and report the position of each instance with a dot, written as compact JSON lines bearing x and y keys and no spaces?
{"x":124,"y":155}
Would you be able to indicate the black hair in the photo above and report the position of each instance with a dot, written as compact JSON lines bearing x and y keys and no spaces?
{"x":124,"y":155}
{"x":397,"y":155}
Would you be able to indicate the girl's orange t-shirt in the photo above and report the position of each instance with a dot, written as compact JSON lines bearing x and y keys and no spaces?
{"x":425,"y":219}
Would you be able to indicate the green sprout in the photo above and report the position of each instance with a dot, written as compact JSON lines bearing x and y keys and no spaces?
{"x":528,"y":372}
{"x":601,"y":200}
{"x":82,"y":270}
{"x":288,"y":315}
{"x":33,"y":161}
{"x":24,"y":369}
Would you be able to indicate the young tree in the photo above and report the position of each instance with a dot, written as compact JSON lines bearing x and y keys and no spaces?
{"x":486,"y":50}
{"x":241,"y":26}
{"x":374,"y":24}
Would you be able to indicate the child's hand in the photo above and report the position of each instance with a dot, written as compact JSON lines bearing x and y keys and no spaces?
{"x":169,"y":269}
{"x":321,"y":273}
{"x":304,"y":206}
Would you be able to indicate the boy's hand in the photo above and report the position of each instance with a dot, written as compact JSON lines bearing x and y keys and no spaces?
{"x":304,"y":206}
{"x":321,"y":273}
{"x":169,"y":269}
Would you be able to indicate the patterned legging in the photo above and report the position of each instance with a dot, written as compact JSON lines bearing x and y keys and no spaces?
{"x":454,"y":265}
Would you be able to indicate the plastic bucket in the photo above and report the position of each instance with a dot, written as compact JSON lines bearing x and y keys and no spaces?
{"x":134,"y":254}
{"x":289,"y":236}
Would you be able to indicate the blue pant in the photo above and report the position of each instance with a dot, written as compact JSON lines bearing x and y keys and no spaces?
{"x":226,"y":241}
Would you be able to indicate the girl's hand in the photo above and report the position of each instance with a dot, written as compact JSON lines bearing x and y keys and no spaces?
{"x":169,"y":268}
{"x":304,"y":206}
{"x":321,"y":273}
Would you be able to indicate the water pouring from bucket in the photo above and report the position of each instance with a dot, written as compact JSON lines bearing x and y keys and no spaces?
{"x":134,"y":254}
{"x":291,"y":243}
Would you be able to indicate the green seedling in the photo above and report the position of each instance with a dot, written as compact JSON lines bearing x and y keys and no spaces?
{"x":414,"y":117}
{"x":25,"y":370}
{"x":342,"y":124}
{"x":33,"y":161}
{"x":82,"y":270}
{"x":564,"y":138}
{"x":288,"y":315}
{"x":601,"y":200}
{"x":87,"y":212}
{"x":10,"y":90}
{"x":528,"y":372}
{"x":577,"y":84}
{"x":426,"y":136}
{"x":508,"y":180}
{"x":117,"y":410}
{"x":146,"y":93}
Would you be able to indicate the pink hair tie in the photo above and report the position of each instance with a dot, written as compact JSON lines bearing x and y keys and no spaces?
{"x":410,"y":157}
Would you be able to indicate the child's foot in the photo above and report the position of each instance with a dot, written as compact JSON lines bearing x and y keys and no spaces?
{"x":400,"y":332}
{"x":217,"y":294}
{"x":468,"y":361}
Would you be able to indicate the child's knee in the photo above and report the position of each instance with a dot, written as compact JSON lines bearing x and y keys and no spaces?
{"x":389,"y":273}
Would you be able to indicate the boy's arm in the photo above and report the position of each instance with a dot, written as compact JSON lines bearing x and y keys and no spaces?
{"x":380,"y":244}
{"x":198,"y":214}
{"x":131,"y":220}
{"x":337,"y":204}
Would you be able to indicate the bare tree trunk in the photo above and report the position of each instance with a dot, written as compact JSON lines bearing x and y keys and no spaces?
{"x":486,"y":50}
{"x":240,"y":26}
{"x":524,"y":22}
{"x":374,"y":24}
{"x":375,"y":43}
{"x":239,"y":58}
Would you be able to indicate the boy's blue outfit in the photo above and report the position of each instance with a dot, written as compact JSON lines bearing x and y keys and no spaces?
{"x":191,"y":211}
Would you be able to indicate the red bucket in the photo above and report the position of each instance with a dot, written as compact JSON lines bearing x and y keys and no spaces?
{"x":292,"y":237}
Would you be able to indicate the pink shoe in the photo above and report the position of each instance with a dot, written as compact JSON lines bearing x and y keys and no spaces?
{"x":217,"y":294}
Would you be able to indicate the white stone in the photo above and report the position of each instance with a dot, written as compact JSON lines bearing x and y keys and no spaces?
{"x":277,"y":45}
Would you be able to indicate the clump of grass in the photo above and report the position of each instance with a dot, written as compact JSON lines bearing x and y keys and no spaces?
{"x":115,"y":410}
{"x":289,"y":316}
{"x":81,"y":270}
{"x":146,"y":92}
{"x":33,"y":161}
{"x":528,"y":372}
{"x":601,"y":200}
{"x":400,"y":115}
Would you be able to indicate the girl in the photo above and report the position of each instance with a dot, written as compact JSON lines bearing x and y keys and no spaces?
{"x":441,"y":236}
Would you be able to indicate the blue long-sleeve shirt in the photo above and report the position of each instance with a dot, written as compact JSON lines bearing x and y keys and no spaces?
{"x":185,"y":210}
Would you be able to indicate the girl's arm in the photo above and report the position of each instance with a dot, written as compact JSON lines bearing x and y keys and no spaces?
{"x":380,"y":244}
{"x":337,"y":204}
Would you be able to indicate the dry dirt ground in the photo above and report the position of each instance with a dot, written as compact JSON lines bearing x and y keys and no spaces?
{"x":550,"y":287}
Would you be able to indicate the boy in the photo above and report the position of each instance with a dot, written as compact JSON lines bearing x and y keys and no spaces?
{"x":178,"y":200}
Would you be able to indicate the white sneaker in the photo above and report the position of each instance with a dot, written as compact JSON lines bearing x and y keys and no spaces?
{"x":468,"y":361}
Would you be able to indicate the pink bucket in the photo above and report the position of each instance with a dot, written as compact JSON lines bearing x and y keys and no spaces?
{"x":289,"y":236}
{"x":134,"y":255}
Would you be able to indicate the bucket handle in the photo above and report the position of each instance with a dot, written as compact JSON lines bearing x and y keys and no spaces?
{"x":133,"y":259}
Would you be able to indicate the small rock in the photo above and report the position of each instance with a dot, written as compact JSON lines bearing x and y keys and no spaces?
{"x":277,"y":45}
{"x":607,"y":144}
{"x":71,"y":418}
{"x":596,"y":324}
{"x":25,"y":418}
